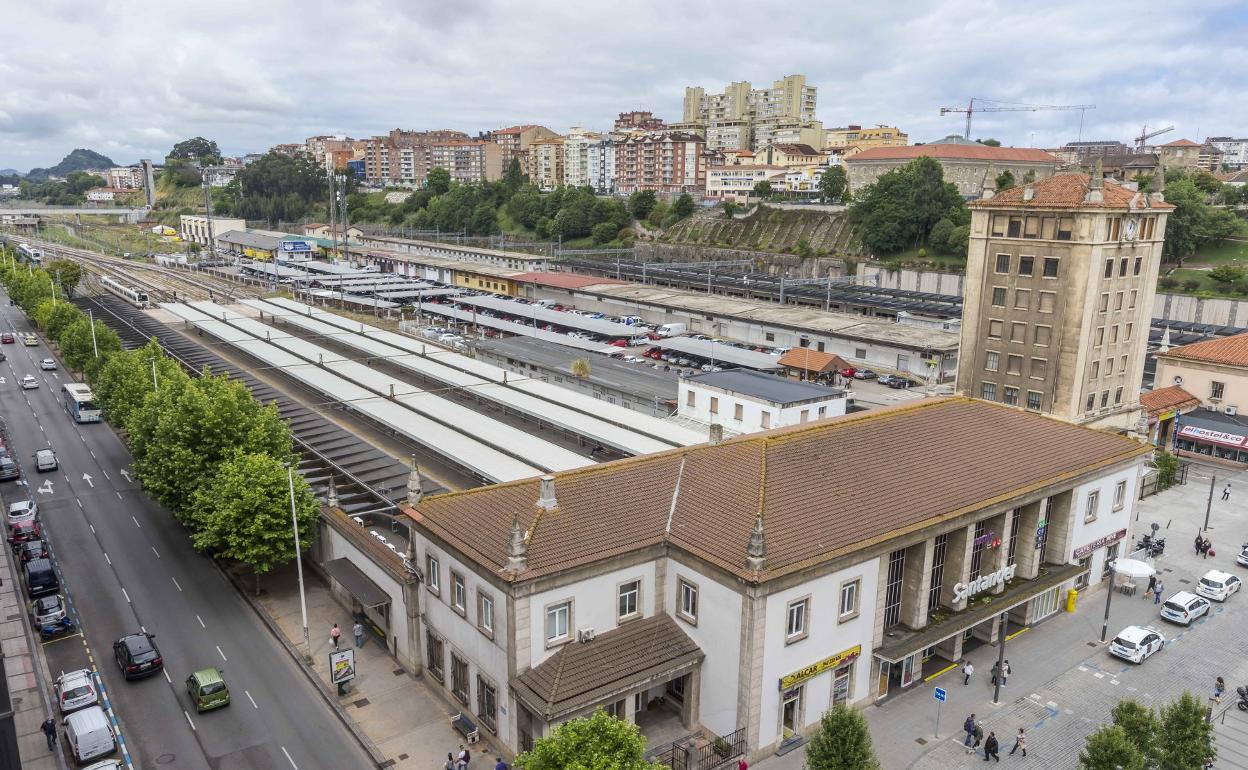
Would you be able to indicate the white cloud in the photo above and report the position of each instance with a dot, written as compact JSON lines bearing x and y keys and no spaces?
{"x":133,"y":76}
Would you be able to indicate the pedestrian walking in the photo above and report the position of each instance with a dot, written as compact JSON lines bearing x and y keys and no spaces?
{"x":1219,"y":687}
{"x":978,"y":735}
{"x":1005,"y":672}
{"x":991,"y":747}
{"x":742,"y":764}
{"x":1157,"y":592}
{"x":461,"y":762}
{"x":1020,"y":742}
{"x":500,"y":765}
{"x":968,"y":727}
{"x":450,"y":762}
{"x":1205,"y":548}
{"x":334,"y":633}
{"x":1152,"y":586}
{"x":967,"y":672}
{"x":358,"y":631}
{"x":1199,"y":542}
{"x":1226,"y":492}
{"x":49,"y":732}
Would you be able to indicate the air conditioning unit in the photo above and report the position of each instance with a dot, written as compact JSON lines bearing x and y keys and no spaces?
{"x":1232,"y":409}
{"x":585,"y":635}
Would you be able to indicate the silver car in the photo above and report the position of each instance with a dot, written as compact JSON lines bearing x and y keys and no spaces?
{"x":48,"y":364}
{"x":22,"y":510}
{"x":30,"y":382}
{"x":76,"y":690}
{"x":45,"y":460}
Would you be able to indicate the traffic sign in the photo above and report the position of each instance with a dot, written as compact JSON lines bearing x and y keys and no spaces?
{"x":939,"y":694}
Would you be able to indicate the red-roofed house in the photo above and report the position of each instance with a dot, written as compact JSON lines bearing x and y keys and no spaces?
{"x":1181,"y":153}
{"x":971,"y":166}
{"x":1162,"y":407}
{"x":515,"y":141}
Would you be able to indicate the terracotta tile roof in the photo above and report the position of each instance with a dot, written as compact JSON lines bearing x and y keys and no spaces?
{"x":910,"y":466}
{"x":1232,"y":351}
{"x":796,"y":149}
{"x":1164,"y":399}
{"x":1066,"y":191}
{"x":955,"y":152}
{"x":563,"y":280}
{"x":583,"y":673}
{"x":1181,"y":143}
{"x":811,"y":360}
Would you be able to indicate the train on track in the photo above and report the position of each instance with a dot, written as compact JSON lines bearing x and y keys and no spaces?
{"x":130,"y":294}
{"x":27,"y":253}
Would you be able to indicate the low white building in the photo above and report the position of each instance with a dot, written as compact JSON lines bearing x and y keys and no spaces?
{"x":746,"y":401}
{"x":740,"y":588}
{"x":736,"y":182}
{"x":100,"y":195}
{"x":194,"y":227}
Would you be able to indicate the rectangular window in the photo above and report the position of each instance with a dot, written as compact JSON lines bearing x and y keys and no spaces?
{"x":989,"y":391}
{"x":1216,"y":390}
{"x":687,"y":594}
{"x":1048,"y":300}
{"x":1127,"y":332}
{"x":459,"y":678}
{"x":485,"y":614}
{"x":738,"y":412}
{"x":1015,"y":228}
{"x":691,"y":399}
{"x":1111,"y":554}
{"x":892,"y":588}
{"x":1034,"y":398}
{"x":1118,"y":396}
{"x":1022,"y":299}
{"x":1091,"y":505}
{"x":1018,"y":332}
{"x":1043,"y":335}
{"x":459,"y":594}
{"x":1039,"y":368}
{"x":1091,"y":402}
{"x":992,"y":360}
{"x":998,"y":296}
{"x":434,"y":655}
{"x":487,"y":704}
{"x":1084,"y":578}
{"x":849,"y":599}
{"x":977,"y":549}
{"x":433,"y":574}
{"x":1122,"y":365}
{"x":1096,"y":369}
{"x":558,"y":621}
{"x":795,"y":625}
{"x":628,"y":601}
{"x":1134,"y":294}
{"x":995,"y":328}
{"x":1012,"y":549}
{"x":1104,"y":306}
{"x":1113,"y":225}
{"x":1050,"y":267}
{"x":714,"y":405}
{"x":998,"y":225}
{"x":941,"y":545}
{"x":1120,"y":495}
{"x":1013,"y":364}
{"x":1065,"y":228}
{"x":766,"y":420}
{"x":1011,"y":396}
{"x":1122,"y":267}
{"x":1113,"y":334}
{"x":860,"y":353}
{"x":1003,"y":263}
{"x":770,"y":336}
{"x":1109,"y":268}
{"x":1026,"y":265}
{"x":1104,"y":398}
{"x":1031,"y":227}
{"x":1100,"y":336}
{"x":1118,"y":300}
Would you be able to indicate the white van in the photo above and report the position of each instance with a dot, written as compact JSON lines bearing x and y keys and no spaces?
{"x":671,"y":330}
{"x":546,"y":303}
{"x":89,"y":734}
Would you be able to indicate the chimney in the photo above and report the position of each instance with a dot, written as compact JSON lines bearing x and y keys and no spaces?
{"x":331,"y":494}
{"x":546,"y":499}
{"x":756,"y":546}
{"x":1029,"y":194}
{"x":517,"y":548}
{"x":415,"y":487}
{"x":1098,"y":176}
{"x":717,"y":434}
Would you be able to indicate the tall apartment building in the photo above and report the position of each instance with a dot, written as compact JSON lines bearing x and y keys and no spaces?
{"x":126,"y":178}
{"x":469,"y":162}
{"x":743,"y":117}
{"x":545,"y":165}
{"x":576,"y":156}
{"x":331,"y":151}
{"x":1234,"y":151}
{"x":515,"y":142}
{"x":637,"y":120}
{"x":403,"y":157}
{"x":1060,"y":281}
{"x":601,"y":165}
{"x":669,"y":163}
{"x":865,"y":138}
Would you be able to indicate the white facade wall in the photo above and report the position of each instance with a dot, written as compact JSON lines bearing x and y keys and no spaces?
{"x":718,"y":633}
{"x":335,"y":546}
{"x":827,"y":635}
{"x":1108,"y":519}
{"x":601,"y":162}
{"x":593,"y":606}
{"x":752,"y":409}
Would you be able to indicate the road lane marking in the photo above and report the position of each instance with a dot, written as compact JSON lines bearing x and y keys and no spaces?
{"x":92,"y":526}
{"x":166,"y":673}
{"x":123,"y":593}
{"x":76,"y":500}
{"x":201,"y":621}
{"x":288,"y":759}
{"x":253,"y":700}
{"x":118,"y":495}
{"x":156,"y":552}
{"x":222,"y":654}
{"x":136,"y":522}
{"x":106,"y":475}
{"x":188,"y":719}
{"x":110,"y":561}
{"x":175,"y":582}
{"x":92,"y":451}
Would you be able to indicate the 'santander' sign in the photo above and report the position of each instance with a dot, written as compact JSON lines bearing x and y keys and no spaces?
{"x":964,"y":591}
{"x":815,"y":669}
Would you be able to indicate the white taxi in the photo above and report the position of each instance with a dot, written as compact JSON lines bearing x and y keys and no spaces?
{"x":1242,"y":559}
{"x":1218,"y":585}
{"x":1136,"y":643}
{"x":1184,"y":607}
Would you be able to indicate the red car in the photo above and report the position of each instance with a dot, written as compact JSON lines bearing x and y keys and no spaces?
{"x":24,"y":531}
{"x":848,"y":371}
{"x":620,"y":343}
{"x":7,"y":338}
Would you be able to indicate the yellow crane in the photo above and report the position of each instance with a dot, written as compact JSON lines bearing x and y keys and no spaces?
{"x":971,"y":108}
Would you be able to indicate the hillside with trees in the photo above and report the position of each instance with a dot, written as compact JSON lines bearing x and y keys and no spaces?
{"x":77,"y":160}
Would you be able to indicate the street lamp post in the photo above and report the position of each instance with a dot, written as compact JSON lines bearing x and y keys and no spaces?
{"x":294,"y":524}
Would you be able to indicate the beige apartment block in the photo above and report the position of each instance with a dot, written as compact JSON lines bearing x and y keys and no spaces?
{"x":1060,"y":280}
{"x":743,"y":117}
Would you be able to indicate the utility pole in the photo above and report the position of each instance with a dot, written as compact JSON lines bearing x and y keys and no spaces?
{"x":346,"y":250}
{"x":1213,"y":480}
{"x":333,"y":217}
{"x":94,"y":347}
{"x":212,"y":241}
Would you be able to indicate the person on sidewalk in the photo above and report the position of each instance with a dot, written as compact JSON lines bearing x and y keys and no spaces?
{"x":501,"y":765}
{"x":49,"y":732}
{"x":1226,"y":492}
{"x":334,"y":633}
{"x":1152,"y":586}
{"x":1219,"y":687}
{"x":450,"y":762}
{"x":967,"y":672}
{"x":1199,"y":542}
{"x":1157,"y":592}
{"x":991,"y":747}
{"x":1005,"y":672}
{"x":1205,"y":548}
{"x":742,"y":764}
{"x":464,"y":758}
{"x":1020,"y":742}
{"x":996,"y":672}
{"x":358,"y":631}
{"x":978,"y":735}
{"x":969,"y":728}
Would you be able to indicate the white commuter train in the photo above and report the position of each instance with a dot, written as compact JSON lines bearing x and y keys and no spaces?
{"x":136,"y":297}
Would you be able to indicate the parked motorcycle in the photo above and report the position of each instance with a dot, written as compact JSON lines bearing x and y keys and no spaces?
{"x":58,"y":628}
{"x":1243,"y":698}
{"x":1151,"y":546}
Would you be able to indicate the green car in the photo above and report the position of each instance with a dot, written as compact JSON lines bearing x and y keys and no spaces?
{"x":207,"y":690}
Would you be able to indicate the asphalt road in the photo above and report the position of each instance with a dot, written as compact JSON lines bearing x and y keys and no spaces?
{"x":127,"y":565}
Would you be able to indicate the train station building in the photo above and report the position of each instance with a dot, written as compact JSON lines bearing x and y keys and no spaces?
{"x":740,"y":588}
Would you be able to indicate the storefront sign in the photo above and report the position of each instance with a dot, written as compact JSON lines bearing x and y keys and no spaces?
{"x":1084,"y":550}
{"x":815,"y":669}
{"x":342,"y":666}
{"x":1218,"y":436}
{"x":989,"y":539}
{"x":1166,"y":416}
{"x":964,"y":591}
{"x":1042,"y":532}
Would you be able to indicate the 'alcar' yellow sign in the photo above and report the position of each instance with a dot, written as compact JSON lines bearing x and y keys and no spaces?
{"x":815,"y":669}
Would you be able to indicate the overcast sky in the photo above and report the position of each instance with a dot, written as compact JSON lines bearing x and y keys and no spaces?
{"x":131,"y":77}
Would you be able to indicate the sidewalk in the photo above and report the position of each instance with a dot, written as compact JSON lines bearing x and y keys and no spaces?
{"x":25,"y":671}
{"x":407,"y":725}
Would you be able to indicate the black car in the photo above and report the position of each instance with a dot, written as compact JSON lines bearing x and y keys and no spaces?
{"x":137,"y":656}
{"x":32,"y":549}
{"x":899,"y":382}
{"x":9,"y":470}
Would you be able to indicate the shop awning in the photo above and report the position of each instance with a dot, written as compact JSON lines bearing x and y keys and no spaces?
{"x":1224,"y":433}
{"x":357,"y":583}
{"x":906,"y":643}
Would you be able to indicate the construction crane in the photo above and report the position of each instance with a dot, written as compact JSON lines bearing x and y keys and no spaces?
{"x":1145,"y":135}
{"x":970,"y":109}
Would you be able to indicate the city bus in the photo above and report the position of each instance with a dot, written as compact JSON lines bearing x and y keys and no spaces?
{"x":80,"y":403}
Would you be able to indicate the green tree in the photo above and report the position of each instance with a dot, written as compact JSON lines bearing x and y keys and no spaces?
{"x":938,"y":238}
{"x":842,"y":742}
{"x":902,"y":206}
{"x":762,"y":189}
{"x":54,"y":317}
{"x":730,"y":209}
{"x":1184,"y":740}
{"x":833,"y":184}
{"x":989,"y":142}
{"x":279,"y":187}
{"x":1109,"y":749}
{"x":1029,"y":176}
{"x":1194,"y":223}
{"x":78,"y":182}
{"x":641,"y":203}
{"x":596,"y":742}
{"x":438,"y":181}
{"x":242,"y":512}
{"x":683,"y":205}
{"x":1004,"y":180}
{"x":1206,"y":182}
{"x":1226,"y":276}
{"x":66,"y":273}
{"x":604,"y":232}
{"x":1138,"y":724}
{"x":204,"y":151}
{"x":125,"y":381}
{"x":513,"y":178}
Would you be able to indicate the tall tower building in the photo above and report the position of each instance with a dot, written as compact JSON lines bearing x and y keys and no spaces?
{"x":1060,"y":280}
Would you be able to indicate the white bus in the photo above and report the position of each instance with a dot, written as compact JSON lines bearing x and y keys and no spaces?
{"x":80,"y":403}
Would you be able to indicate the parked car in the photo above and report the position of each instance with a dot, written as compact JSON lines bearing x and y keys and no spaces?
{"x":620,"y":343}
{"x":898,"y":383}
{"x":848,"y":372}
{"x":864,"y":374}
{"x":75,"y":690}
{"x":137,"y":655}
{"x":207,"y":689}
{"x":45,"y":460}
{"x":1184,"y":607}
{"x":47,"y":609}
{"x":89,"y":734}
{"x":32,"y":549}
{"x":48,"y":364}
{"x":7,"y":338}
{"x":40,"y":578}
{"x":8,"y":469}
{"x":29,"y":382}
{"x":1218,"y":585}
{"x":1136,"y":643}
{"x":22,"y":510}
{"x":24,"y":531}
{"x":1242,"y":559}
